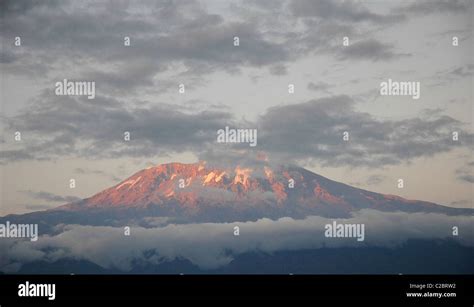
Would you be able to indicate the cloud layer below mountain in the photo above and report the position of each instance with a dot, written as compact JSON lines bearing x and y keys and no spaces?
{"x":211,"y":245}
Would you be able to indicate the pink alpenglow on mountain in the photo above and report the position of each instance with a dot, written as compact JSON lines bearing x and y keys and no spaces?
{"x":198,"y":192}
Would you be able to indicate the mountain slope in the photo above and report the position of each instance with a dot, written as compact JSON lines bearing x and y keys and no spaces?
{"x":196,"y":192}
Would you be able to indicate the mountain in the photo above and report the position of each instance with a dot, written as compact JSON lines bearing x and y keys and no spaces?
{"x":183,"y":193}
{"x":197,"y":191}
{"x":177,"y":193}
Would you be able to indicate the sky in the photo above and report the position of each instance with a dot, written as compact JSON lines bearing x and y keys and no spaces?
{"x":190,"y":42}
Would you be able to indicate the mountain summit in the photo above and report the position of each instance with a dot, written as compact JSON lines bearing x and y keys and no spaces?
{"x":198,"y":192}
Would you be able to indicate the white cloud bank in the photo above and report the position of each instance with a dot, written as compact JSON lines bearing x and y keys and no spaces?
{"x":212,"y":245}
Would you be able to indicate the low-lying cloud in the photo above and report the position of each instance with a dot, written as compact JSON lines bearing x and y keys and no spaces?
{"x":213,"y":245}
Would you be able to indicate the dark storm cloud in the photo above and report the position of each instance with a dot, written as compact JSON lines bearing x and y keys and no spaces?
{"x":313,"y":131}
{"x":50,"y":197}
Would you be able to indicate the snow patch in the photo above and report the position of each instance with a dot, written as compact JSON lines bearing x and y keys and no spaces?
{"x":130,"y":182}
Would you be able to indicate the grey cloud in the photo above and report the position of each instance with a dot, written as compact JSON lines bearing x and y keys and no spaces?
{"x":463,"y":203}
{"x":465,"y":174}
{"x":305,"y":132}
{"x":7,"y":57}
{"x":325,"y":36}
{"x":346,"y":11}
{"x":467,"y":177}
{"x":18,"y":7}
{"x":215,"y":44}
{"x":223,"y":156}
{"x":80,"y":170}
{"x":90,"y":37}
{"x":447,"y":76}
{"x":318,"y":36}
{"x":264,"y":4}
{"x":432,"y":113}
{"x":312,"y":131}
{"x":39,"y":207}
{"x":375,"y":179}
{"x":50,"y":197}
{"x":14,"y":154}
{"x":64,"y":126}
{"x":86,"y":38}
{"x":128,"y":78}
{"x":463,"y":71}
{"x":211,"y":245}
{"x":320,"y":86}
{"x":426,"y":7}
{"x":369,"y":49}
{"x":278,"y":70}
{"x":84,"y":171}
